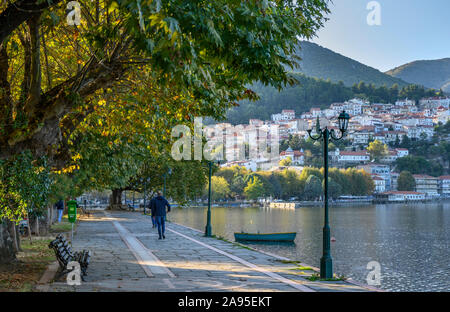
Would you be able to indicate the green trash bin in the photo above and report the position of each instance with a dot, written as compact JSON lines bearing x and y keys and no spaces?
{"x":72,"y":211}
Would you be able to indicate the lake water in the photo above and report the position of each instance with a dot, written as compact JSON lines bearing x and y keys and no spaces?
{"x":410,"y":241}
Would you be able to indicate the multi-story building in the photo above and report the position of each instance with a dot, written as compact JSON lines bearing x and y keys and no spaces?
{"x":405,"y":102}
{"x":394,"y":180}
{"x":394,"y":154}
{"x":391,"y":156}
{"x":435,"y":102}
{"x":380,"y":184}
{"x":401,"y":196}
{"x":286,"y":115}
{"x":362,"y":136}
{"x":402,"y":152}
{"x":382,"y":170}
{"x":426,"y":184}
{"x":315,"y":112}
{"x":442,"y":116}
{"x":444,"y":185}
{"x":349,"y":157}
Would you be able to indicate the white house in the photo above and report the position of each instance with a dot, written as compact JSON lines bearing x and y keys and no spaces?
{"x":426,"y":184}
{"x":402,"y":152}
{"x":380,"y":184}
{"x":297,"y":157}
{"x":444,"y":185}
{"x":435,"y":102}
{"x":286,"y":115}
{"x":360,"y":157}
{"x":400,"y":196}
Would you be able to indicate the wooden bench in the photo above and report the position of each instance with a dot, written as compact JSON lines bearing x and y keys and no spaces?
{"x":64,"y":255}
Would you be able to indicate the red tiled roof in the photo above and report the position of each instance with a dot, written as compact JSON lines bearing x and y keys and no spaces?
{"x":444,"y":177}
{"x":402,"y":192}
{"x":296,"y":153}
{"x":423,"y":176}
{"x":348,"y":153}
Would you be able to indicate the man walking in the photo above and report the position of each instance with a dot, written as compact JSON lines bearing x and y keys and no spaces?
{"x":60,"y":209}
{"x":158,"y":206}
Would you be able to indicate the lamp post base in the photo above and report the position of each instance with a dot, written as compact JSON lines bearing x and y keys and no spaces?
{"x":208,"y":231}
{"x":326,"y":267}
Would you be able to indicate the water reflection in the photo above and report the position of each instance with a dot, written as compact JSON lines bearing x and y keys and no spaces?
{"x":409,"y":241}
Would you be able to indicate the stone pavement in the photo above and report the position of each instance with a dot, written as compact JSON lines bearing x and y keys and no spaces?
{"x":127,"y":256}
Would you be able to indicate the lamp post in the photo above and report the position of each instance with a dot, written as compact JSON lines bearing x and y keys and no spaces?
{"x":208,"y":232}
{"x":326,"y":263}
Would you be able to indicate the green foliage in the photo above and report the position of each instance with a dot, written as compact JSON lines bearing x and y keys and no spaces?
{"x":334,"y":188}
{"x":254,"y":189}
{"x":316,"y":63}
{"x":220,"y":188}
{"x":313,"y":188}
{"x":418,"y":165}
{"x":377,"y":149}
{"x":406,"y":181}
{"x":24,"y":186}
{"x":289,"y":183}
{"x":433,"y":73}
{"x":286,"y":162}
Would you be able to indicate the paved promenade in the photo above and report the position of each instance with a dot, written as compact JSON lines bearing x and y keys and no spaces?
{"x":127,"y":256}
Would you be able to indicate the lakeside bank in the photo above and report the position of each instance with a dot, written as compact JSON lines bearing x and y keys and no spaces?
{"x":127,"y":256}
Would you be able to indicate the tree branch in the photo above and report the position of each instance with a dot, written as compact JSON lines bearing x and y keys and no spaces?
{"x":35,"y":70}
{"x":5,"y":89}
{"x":21,"y":11}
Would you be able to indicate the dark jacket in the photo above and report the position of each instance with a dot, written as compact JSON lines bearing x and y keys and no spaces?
{"x":60,"y":205}
{"x":158,"y":206}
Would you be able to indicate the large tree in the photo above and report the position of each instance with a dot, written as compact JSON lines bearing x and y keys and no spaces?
{"x":377,"y":149}
{"x":406,"y":181}
{"x":48,"y":69}
{"x":56,"y":78}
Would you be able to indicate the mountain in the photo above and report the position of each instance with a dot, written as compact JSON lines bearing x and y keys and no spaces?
{"x":319,"y":64}
{"x":323,"y":63}
{"x":431,"y":74}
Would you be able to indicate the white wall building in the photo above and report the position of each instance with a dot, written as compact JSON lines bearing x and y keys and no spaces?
{"x":285,"y":115}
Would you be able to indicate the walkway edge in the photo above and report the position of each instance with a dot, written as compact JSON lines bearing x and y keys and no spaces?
{"x":248,"y":264}
{"x":350,"y":281}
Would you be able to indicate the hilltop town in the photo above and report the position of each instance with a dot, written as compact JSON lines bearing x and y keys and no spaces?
{"x":389,"y":125}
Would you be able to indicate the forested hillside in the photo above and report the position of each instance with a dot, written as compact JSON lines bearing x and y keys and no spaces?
{"x":314,"y":92}
{"x":323,"y":63}
{"x":432,"y":74}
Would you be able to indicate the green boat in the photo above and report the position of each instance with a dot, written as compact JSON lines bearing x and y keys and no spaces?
{"x":271,"y":237}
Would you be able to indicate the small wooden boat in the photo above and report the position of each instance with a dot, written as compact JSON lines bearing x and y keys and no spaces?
{"x":272,"y":237}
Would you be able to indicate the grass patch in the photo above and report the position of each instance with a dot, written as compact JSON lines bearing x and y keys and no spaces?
{"x":288,"y":261}
{"x":64,"y":226}
{"x":303,"y":268}
{"x":21,"y":275}
{"x":234,"y":243}
{"x":316,"y":277}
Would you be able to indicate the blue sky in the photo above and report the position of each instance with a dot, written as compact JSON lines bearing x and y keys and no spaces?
{"x":410,"y":30}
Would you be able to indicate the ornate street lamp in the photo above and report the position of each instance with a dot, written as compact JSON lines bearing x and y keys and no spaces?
{"x":326,"y":263}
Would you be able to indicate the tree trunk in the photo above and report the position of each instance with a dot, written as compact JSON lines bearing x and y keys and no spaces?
{"x":36,"y":230}
{"x":7,"y":252}
{"x":29,"y":228}
{"x":15,"y":236}
{"x":115,"y":200}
